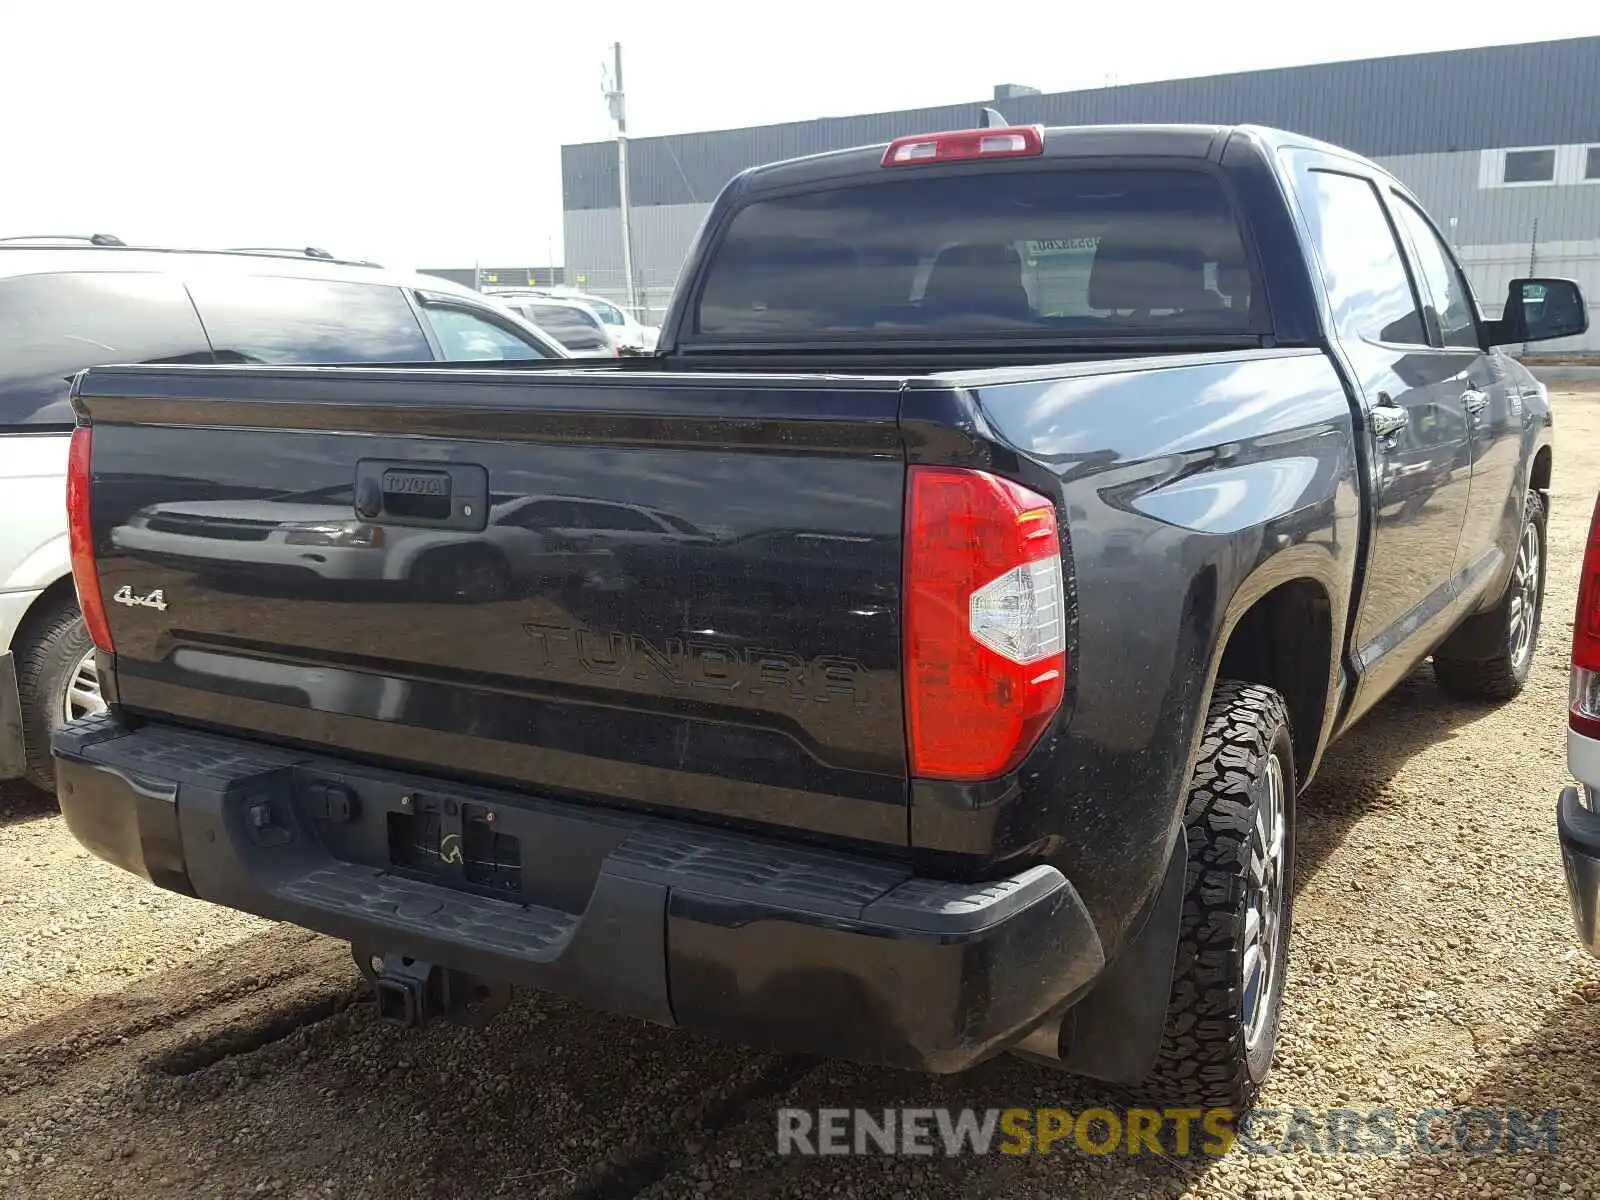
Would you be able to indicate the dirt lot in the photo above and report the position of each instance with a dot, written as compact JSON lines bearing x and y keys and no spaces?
{"x":154,"y":1046}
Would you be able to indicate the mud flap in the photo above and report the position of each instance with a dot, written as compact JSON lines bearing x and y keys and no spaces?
{"x":13,"y":752}
{"x":1114,"y":1033}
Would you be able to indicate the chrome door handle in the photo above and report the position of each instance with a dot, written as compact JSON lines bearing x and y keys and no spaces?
{"x":1389,"y":419}
{"x":1475,"y":400}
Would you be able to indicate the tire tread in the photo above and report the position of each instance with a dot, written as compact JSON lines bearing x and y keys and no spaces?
{"x":1203,"y":1060}
{"x":1495,"y":679}
{"x":48,"y":646}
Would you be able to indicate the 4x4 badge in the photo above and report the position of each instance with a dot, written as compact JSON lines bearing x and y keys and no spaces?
{"x":156,"y":599}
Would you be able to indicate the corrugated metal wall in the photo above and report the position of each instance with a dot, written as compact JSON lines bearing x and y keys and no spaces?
{"x":1448,"y":185}
{"x":1535,"y":94}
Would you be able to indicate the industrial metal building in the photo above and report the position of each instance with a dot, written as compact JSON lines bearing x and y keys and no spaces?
{"x":1502,"y":144}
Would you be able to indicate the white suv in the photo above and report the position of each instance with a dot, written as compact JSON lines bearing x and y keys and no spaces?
{"x":71,"y":303}
{"x":1578,"y":816}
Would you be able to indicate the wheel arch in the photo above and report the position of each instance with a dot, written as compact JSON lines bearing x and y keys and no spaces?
{"x":58,"y":592}
{"x":44,"y":566}
{"x":1539,"y":473}
{"x":1283,"y":637}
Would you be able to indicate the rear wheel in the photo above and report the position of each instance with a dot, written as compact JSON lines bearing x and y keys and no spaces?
{"x":1227,"y":984}
{"x":1510,"y":630}
{"x":57,"y":682}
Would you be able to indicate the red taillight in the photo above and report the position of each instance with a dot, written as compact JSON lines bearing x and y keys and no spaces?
{"x":1584,"y":711}
{"x":985,"y":635}
{"x":85,"y":575}
{"x":962,"y":145}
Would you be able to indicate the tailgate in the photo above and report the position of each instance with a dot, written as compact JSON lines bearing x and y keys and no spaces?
{"x":672,"y":592}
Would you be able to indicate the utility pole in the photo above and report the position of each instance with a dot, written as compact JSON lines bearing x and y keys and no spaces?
{"x":619,"y":114}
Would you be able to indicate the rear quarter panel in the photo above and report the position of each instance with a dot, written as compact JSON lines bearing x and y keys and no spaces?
{"x":1190,"y":488}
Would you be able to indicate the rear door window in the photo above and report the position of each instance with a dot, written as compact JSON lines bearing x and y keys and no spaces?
{"x":573,"y":328}
{"x":466,"y":336}
{"x":1083,"y":252}
{"x":1453,"y":305}
{"x":540,"y":514}
{"x":1363,"y":269}
{"x":52,"y":326}
{"x":613,"y":518}
{"x":283,"y":319}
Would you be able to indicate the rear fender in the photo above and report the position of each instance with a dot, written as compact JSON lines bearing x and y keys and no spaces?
{"x":33,"y":489}
{"x":1189,"y":488}
{"x":43,"y":565}
{"x":1294,"y":565}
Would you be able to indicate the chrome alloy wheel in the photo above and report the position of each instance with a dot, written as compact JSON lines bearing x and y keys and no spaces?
{"x":1524,"y":601}
{"x":1266,"y":883}
{"x":81,"y":696}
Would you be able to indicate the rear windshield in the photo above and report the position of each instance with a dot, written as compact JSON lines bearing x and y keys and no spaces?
{"x":1080,"y":253}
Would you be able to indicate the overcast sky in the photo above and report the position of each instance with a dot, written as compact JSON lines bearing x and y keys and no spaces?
{"x":430,"y":134}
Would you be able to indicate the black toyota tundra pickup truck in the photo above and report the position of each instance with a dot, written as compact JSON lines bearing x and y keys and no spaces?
{"x":918,"y":658}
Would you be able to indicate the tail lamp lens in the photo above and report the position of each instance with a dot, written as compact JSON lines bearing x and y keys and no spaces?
{"x":1584,"y":709}
{"x":985,"y":632}
{"x":80,"y":536}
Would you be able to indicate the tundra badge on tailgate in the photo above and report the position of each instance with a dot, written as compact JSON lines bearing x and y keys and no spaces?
{"x":156,"y":599}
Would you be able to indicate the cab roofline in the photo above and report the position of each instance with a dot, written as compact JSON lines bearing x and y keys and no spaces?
{"x":1175,"y":141}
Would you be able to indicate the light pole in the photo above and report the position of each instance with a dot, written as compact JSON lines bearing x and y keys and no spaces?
{"x":619,"y":114}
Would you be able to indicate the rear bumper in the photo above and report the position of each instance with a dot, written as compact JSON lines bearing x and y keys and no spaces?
{"x":1579,"y":831}
{"x":752,"y":939}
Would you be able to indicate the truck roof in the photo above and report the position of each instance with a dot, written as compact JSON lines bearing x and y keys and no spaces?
{"x":1060,"y":141}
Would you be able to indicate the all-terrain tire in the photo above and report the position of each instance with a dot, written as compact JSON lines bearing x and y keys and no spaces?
{"x":1502,"y":674}
{"x":48,"y":652}
{"x":1212,"y":1055}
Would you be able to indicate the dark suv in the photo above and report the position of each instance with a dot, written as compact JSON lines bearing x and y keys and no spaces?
{"x":70,"y":303}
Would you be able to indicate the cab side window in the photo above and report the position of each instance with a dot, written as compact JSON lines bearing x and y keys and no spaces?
{"x":53,"y":326}
{"x":1362,"y":265}
{"x":1452,"y":301}
{"x":466,"y":336}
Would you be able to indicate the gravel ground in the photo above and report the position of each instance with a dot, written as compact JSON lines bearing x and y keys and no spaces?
{"x":153,"y":1046}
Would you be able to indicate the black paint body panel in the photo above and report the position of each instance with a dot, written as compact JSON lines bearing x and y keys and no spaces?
{"x":685,"y":596}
